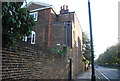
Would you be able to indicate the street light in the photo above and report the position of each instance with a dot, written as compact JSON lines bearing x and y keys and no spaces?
{"x":91,"y":43}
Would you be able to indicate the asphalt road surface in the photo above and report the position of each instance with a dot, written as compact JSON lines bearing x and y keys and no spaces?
{"x":107,"y":74}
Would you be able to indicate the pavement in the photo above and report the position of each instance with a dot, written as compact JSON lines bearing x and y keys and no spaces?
{"x":84,"y":76}
{"x":101,"y":74}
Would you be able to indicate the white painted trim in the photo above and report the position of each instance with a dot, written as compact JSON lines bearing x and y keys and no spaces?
{"x":43,"y":4}
{"x":103,"y":75}
{"x":25,"y":38}
{"x":38,"y":3}
{"x":77,"y":42}
{"x":32,"y":39}
{"x":38,"y":9}
{"x":33,"y":33}
{"x":54,"y":10}
{"x":35,"y":15}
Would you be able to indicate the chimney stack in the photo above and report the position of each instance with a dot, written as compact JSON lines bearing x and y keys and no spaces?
{"x":64,"y":9}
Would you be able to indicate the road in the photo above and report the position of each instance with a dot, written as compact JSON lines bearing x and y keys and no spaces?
{"x":107,"y":74}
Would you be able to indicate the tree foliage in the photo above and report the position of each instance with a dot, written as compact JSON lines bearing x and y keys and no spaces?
{"x":16,"y":22}
{"x":110,"y":56}
{"x":86,"y":46}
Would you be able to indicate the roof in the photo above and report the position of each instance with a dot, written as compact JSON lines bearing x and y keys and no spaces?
{"x":38,"y":3}
{"x":46,"y":6}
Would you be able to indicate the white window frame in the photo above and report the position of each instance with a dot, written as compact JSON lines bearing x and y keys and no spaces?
{"x":32,"y":37}
{"x":33,"y":34}
{"x":25,"y":39}
{"x":35,"y":15}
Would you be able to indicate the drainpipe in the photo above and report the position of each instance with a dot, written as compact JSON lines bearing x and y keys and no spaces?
{"x":49,"y":20}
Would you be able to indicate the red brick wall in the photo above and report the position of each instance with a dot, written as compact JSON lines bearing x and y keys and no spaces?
{"x":30,"y":63}
{"x":57,"y":34}
{"x":66,"y":17}
{"x":41,"y":28}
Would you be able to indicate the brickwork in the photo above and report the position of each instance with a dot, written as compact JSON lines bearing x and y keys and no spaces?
{"x":77,"y":62}
{"x":50,"y":28}
{"x":66,"y":17}
{"x":41,"y":29}
{"x":58,"y":34}
{"x":29,"y":63}
{"x":34,"y":61}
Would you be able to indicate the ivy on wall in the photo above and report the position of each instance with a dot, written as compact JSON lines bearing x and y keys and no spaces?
{"x":16,"y":23}
{"x":62,"y":51}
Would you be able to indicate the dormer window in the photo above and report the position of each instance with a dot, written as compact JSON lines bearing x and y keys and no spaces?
{"x":34,"y":15}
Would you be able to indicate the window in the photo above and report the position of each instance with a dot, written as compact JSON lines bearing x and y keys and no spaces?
{"x":68,"y":36}
{"x":66,"y":24}
{"x":76,"y":39}
{"x":31,"y":38}
{"x":25,"y":39}
{"x":34,"y":15}
{"x":77,"y":43}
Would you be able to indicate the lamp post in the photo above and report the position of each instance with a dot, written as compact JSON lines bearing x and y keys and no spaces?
{"x":91,"y":43}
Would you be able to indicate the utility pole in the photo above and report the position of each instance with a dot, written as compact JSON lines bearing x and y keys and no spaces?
{"x":91,"y":43}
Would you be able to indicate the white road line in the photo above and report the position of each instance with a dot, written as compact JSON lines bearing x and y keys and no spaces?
{"x":98,"y":77}
{"x":104,"y":75}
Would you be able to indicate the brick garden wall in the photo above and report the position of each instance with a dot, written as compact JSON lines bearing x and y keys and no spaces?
{"x":78,"y":65}
{"x":29,"y":63}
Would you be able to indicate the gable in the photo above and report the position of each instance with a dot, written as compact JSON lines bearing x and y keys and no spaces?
{"x":37,"y":5}
{"x":34,"y":6}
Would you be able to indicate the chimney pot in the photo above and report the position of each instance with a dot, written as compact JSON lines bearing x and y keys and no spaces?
{"x":63,"y":7}
{"x":66,"y":7}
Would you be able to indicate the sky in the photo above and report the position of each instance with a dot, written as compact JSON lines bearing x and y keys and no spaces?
{"x":104,"y":15}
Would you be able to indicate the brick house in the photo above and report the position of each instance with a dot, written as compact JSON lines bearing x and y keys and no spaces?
{"x":51,"y":29}
{"x":54,"y":29}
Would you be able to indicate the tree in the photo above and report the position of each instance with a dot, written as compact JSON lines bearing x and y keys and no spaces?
{"x":86,"y":46}
{"x":16,"y":22}
{"x":110,"y":56}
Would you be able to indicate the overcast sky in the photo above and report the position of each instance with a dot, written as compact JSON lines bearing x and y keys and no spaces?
{"x":104,"y":19}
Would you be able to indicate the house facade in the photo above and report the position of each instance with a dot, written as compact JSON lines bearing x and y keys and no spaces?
{"x":54,"y":29}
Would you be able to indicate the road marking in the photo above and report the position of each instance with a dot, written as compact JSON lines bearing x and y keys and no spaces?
{"x":98,"y":77}
{"x":103,"y":75}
